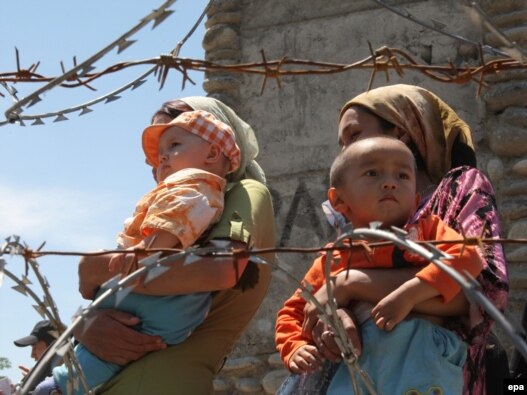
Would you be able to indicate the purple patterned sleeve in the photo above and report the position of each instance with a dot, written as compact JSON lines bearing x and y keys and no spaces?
{"x":465,"y":201}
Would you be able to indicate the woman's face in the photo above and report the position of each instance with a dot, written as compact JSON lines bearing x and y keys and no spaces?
{"x":357,"y":124}
{"x":162,"y":118}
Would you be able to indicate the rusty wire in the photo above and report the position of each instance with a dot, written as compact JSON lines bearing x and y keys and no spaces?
{"x":157,"y":264}
{"x":383,"y":59}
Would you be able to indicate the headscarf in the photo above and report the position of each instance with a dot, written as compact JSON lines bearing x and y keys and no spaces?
{"x":245,"y":137}
{"x":429,"y":122}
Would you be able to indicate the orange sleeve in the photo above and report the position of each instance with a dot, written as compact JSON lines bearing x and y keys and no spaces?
{"x":288,"y":330}
{"x":435,"y":229}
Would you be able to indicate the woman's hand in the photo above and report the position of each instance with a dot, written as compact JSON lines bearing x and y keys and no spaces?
{"x":111,"y":337}
{"x":311,"y":312}
{"x":324,"y":337}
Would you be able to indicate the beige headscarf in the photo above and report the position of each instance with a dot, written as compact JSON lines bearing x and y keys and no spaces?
{"x":245,"y":137}
{"x":431,"y":124}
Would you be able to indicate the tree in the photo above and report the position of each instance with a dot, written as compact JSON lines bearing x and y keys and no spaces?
{"x":5,"y":363}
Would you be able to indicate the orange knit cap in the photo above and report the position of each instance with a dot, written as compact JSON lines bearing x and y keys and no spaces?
{"x":202,"y":124}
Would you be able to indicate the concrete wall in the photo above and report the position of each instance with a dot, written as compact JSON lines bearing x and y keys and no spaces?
{"x":296,"y":125}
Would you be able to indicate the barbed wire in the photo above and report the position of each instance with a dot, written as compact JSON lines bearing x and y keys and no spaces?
{"x":511,"y":49}
{"x":121,"y":43}
{"x":83,"y":70}
{"x":383,"y":59}
{"x":157,"y":264}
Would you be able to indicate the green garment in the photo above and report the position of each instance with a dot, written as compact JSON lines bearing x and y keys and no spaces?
{"x":188,"y":368}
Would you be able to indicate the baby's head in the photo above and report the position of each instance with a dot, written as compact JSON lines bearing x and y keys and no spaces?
{"x":374,"y":179}
{"x":195,"y":139}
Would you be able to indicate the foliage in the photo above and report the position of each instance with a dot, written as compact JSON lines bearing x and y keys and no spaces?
{"x":5,"y":363}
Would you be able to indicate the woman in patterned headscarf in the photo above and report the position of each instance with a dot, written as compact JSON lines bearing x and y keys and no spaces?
{"x":189,"y":367}
{"x":450,"y":187}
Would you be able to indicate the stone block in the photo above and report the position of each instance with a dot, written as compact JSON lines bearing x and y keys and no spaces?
{"x":508,"y":141}
{"x":507,"y":94}
{"x":241,"y":366}
{"x":517,"y":255}
{"x":518,"y":230}
{"x":272,"y":380}
{"x":495,"y":169}
{"x":520,"y":167}
{"x":224,"y":18}
{"x":513,"y":210}
{"x":514,"y":188}
{"x":218,"y":6}
{"x":248,"y":385}
{"x":221,"y":36}
{"x":275,"y":361}
{"x":221,"y":386}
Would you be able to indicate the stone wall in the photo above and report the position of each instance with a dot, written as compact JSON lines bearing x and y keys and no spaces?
{"x":296,"y":124}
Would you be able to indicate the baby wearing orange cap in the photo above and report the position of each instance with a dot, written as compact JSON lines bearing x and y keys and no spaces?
{"x":191,"y":156}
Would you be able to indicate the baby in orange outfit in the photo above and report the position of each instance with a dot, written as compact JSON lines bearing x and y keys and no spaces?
{"x":191,"y":156}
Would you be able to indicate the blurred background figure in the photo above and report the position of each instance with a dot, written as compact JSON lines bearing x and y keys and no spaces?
{"x":41,"y":337}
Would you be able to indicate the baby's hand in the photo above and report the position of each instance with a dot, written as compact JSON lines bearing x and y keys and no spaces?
{"x":116,"y":263}
{"x":305,"y":359}
{"x":391,"y":310}
{"x":122,"y":263}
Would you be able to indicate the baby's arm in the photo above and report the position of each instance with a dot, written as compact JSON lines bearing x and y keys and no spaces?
{"x":159,"y":238}
{"x":395,"y":306}
{"x":372,"y":285}
{"x":431,"y":281}
{"x":288,"y":330}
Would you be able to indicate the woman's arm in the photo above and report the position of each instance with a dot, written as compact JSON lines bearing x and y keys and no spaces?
{"x":93,"y":272}
{"x":248,"y":214}
{"x":204,"y":275}
{"x":110,"y":335}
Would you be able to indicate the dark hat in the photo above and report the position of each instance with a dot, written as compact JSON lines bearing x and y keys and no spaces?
{"x":42,"y":331}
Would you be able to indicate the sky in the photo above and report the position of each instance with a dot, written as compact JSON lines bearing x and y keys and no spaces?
{"x":72,"y":183}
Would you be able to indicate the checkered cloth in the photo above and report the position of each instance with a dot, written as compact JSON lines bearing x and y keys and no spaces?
{"x":202,"y":124}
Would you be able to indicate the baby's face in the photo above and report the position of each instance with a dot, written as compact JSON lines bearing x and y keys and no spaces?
{"x":380,"y":183}
{"x":180,"y":149}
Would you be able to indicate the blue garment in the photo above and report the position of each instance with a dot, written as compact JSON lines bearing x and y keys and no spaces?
{"x":416,"y":356}
{"x":315,"y":383}
{"x":171,"y":317}
{"x":46,"y":387}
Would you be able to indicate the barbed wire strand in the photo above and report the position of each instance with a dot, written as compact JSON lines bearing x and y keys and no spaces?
{"x":510,"y":47}
{"x":46,"y":307}
{"x":120,"y":43}
{"x":84,"y":108}
{"x":154,"y":266}
{"x":383,"y":59}
{"x":164,"y":62}
{"x":435,"y":26}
